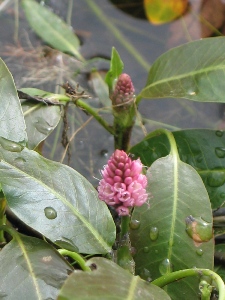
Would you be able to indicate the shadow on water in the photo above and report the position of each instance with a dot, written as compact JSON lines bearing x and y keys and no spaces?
{"x":139,"y":44}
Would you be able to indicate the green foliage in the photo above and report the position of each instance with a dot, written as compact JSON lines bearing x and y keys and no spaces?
{"x":193,"y":71}
{"x":203,"y":149}
{"x":102,"y":284}
{"x":52,"y":29}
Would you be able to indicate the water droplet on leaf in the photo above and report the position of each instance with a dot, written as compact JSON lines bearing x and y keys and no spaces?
{"x":43,"y":126}
{"x":165,"y":267}
{"x":198,"y":229}
{"x":222,"y":195}
{"x":216,"y":178}
{"x":199,"y":158}
{"x":154,"y":233}
{"x":146,"y":249}
{"x":219,"y":133}
{"x":104,"y":153}
{"x":220,"y":152}
{"x":19,"y":161}
{"x":134,"y":224}
{"x":50,"y":213}
{"x":10,"y":146}
{"x":145,"y":274}
{"x":199,"y":252}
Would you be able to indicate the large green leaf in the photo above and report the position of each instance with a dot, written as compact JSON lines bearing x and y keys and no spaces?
{"x":175,"y":232}
{"x":203,"y":149}
{"x":194,"y":71}
{"x":51,"y":28}
{"x":108,"y":281}
{"x":56,"y":200}
{"x":12,"y":125}
{"x":31,"y":269}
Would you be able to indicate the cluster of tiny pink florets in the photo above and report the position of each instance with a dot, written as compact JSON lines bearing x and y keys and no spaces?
{"x":123,"y":185}
{"x":124,"y":91}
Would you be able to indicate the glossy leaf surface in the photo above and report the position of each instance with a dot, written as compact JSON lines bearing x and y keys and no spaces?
{"x":31,"y":269}
{"x":108,"y":281}
{"x":12,"y":125}
{"x":194,"y":71}
{"x":51,"y":28}
{"x":56,"y":201}
{"x":163,"y":11}
{"x":175,"y":232}
{"x":201,"y":148}
{"x":41,"y":118}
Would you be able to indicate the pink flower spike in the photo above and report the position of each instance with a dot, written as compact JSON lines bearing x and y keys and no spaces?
{"x":123,"y":185}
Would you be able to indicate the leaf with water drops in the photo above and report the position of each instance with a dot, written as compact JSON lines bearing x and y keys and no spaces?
{"x":31,"y":269}
{"x":41,"y":119}
{"x":203,"y":149}
{"x":189,"y":71}
{"x":51,"y":28}
{"x":108,"y":281}
{"x":175,"y":227}
{"x":12,"y":125}
{"x":57,"y":201}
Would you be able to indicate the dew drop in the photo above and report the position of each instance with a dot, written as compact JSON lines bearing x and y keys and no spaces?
{"x":219,"y":133}
{"x":198,"y":229}
{"x":165,"y":267}
{"x":104,"y":153}
{"x":146,"y":275}
{"x":199,"y":252}
{"x":222,"y":195}
{"x":50,"y":213}
{"x":19,"y":161}
{"x":10,"y":146}
{"x":216,"y":178}
{"x":145,"y":145}
{"x":154,"y":233}
{"x":199,"y":158}
{"x":220,"y":152}
{"x":146,"y":249}
{"x":134,"y":224}
{"x":43,"y":126}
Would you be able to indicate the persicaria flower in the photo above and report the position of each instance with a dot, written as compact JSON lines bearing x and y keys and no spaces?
{"x":123,"y":93}
{"x":123,"y":185}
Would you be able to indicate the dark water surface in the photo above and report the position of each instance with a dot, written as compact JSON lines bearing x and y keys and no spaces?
{"x":139,"y":44}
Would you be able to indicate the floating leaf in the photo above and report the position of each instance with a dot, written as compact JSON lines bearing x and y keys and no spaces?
{"x":163,"y":11}
{"x":51,"y":28}
{"x":31,"y":269}
{"x":12,"y":125}
{"x":108,"y":281}
{"x":203,"y":149}
{"x":56,"y":201}
{"x":178,"y":195}
{"x":116,"y":68}
{"x":194,"y":71}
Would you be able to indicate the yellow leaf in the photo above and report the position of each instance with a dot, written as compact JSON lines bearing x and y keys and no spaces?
{"x":163,"y":11}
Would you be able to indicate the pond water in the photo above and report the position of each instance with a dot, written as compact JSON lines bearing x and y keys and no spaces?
{"x":101,"y":25}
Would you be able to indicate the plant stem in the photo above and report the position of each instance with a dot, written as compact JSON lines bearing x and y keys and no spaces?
{"x":83,"y":105}
{"x":77,"y":257}
{"x":2,"y":216}
{"x":125,"y":221}
{"x":174,"y":276}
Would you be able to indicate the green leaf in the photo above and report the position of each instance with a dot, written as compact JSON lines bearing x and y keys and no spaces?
{"x":12,"y":125}
{"x":31,"y":269}
{"x":195,"y":71}
{"x":108,"y":281}
{"x":203,"y":149}
{"x":41,"y":119}
{"x":56,"y":201}
{"x":116,"y":68}
{"x":51,"y":28}
{"x":175,"y":232}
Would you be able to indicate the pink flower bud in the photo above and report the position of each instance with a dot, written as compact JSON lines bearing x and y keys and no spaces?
{"x":123,"y":92}
{"x":122,"y":184}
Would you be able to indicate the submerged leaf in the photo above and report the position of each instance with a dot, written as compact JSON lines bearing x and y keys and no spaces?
{"x":31,"y":269}
{"x":108,"y":281}
{"x":56,"y":201}
{"x":195,"y":71}
{"x":163,"y":11}
{"x":12,"y":125}
{"x":161,"y":239}
{"x":51,"y":28}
